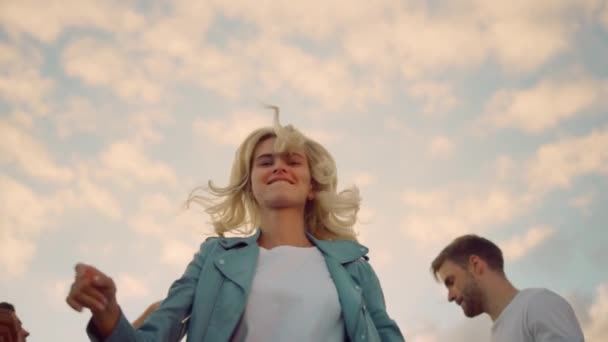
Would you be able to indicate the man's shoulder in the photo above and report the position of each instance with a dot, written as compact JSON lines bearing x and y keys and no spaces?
{"x":538,"y":295}
{"x":548,"y":311}
{"x":540,"y":301}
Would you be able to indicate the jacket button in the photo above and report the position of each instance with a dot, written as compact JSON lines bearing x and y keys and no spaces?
{"x":357,"y":288}
{"x":362,"y":249}
{"x":363,"y":336}
{"x":221,"y":261}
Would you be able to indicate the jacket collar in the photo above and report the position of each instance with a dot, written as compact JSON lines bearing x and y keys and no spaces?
{"x":344,"y":251}
{"x":232,"y":242}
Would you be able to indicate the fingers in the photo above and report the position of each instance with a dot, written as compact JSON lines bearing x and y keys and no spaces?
{"x":91,"y":289}
{"x":93,"y":300}
{"x":86,"y":271}
{"x":104,"y":284}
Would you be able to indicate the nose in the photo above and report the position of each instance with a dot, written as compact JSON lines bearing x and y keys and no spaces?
{"x":279,"y":166}
{"x":451,"y":296}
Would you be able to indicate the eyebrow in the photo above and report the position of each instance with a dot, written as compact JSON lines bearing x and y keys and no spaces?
{"x":272,"y":155}
{"x":265,"y":155}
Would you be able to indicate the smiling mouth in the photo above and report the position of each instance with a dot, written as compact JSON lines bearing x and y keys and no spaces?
{"x":280,"y":180}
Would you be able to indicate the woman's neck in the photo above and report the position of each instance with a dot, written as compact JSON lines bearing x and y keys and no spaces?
{"x":283,"y":227}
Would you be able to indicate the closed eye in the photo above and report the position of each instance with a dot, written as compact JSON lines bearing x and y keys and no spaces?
{"x":265,"y":160}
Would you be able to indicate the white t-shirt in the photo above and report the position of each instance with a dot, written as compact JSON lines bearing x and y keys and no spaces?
{"x":537,"y":315}
{"x":293,"y":298}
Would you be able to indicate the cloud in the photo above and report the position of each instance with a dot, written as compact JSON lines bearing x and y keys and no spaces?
{"x":596,"y":328}
{"x":556,"y":165}
{"x":131,"y":287}
{"x":419,"y":40}
{"x":434,"y":216}
{"x":582,"y":202}
{"x":441,"y":147}
{"x":544,"y":105}
{"x":413,"y":41}
{"x":524,"y":35}
{"x":177,"y":253}
{"x":57,"y":291}
{"x":15,"y":254}
{"x":98,"y":198}
{"x":111,"y":67}
{"x":232,"y":130}
{"x":21,"y":82}
{"x":24,"y":215}
{"x":436,"y":97}
{"x":147,"y":126}
{"x":363,"y":179}
{"x":505,"y":168}
{"x":178,"y":232}
{"x":79,"y":116}
{"x":125,"y":162}
{"x":604,"y":17}
{"x":441,"y":215}
{"x":152,"y":211}
{"x":25,"y":17}
{"x":518,"y":246}
{"x":327,"y":80}
{"x":317,"y":20}
{"x":19,"y":147}
{"x":28,"y":214}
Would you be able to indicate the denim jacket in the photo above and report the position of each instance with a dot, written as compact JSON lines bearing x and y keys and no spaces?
{"x":207,"y":302}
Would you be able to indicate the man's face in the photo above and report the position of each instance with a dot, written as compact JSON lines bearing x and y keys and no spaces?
{"x":22,"y":334}
{"x":462,"y":288}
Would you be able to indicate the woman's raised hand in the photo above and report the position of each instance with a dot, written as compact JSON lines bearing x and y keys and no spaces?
{"x":95,"y":291}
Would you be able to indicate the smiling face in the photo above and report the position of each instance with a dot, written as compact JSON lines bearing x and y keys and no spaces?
{"x":462,"y":288}
{"x":280,"y":180}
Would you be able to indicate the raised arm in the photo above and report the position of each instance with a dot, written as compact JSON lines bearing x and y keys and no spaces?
{"x":96,"y":291}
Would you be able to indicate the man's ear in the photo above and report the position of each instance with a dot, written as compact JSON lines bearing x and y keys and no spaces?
{"x":476,"y":265}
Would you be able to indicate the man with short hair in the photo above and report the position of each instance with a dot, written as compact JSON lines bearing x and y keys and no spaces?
{"x":22,"y":334}
{"x":472,"y":269}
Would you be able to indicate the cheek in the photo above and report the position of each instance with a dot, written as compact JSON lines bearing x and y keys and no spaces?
{"x":305,"y":175}
{"x":256,"y":180}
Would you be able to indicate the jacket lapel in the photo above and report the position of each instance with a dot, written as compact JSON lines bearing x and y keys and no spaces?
{"x":350,"y":299}
{"x":238,"y":265}
{"x":337,"y":254}
{"x":239,"y":259}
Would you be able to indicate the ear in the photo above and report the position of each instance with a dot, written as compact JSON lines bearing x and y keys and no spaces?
{"x":311,"y":191}
{"x":476,"y":265}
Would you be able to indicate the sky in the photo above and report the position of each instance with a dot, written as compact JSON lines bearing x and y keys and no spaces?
{"x":451,"y":117}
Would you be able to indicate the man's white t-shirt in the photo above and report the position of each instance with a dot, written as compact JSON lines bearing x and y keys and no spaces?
{"x":292,"y":298}
{"x":537,"y":315}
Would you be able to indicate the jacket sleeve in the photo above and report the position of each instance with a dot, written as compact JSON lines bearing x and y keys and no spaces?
{"x":167,"y":323}
{"x":374,"y":299}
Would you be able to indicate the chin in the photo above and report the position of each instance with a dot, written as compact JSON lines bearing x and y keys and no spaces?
{"x":281,"y":202}
{"x":472,"y":313}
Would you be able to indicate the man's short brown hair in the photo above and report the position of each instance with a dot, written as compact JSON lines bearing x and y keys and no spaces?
{"x":7,"y":306}
{"x":459,"y":251}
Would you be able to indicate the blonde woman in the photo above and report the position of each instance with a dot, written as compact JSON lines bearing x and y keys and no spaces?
{"x":298,"y":274}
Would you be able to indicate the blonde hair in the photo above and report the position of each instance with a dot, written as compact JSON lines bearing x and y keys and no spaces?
{"x":330,"y":215}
